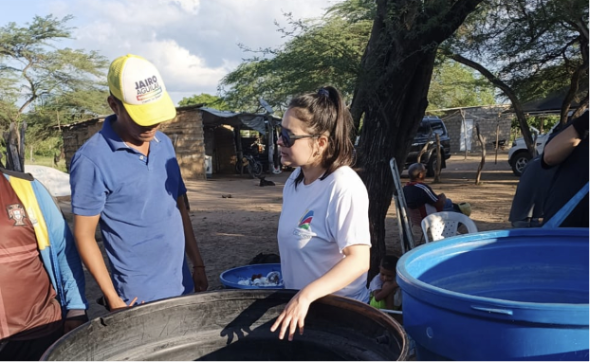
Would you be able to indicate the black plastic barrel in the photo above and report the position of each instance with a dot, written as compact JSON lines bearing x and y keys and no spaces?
{"x":234,"y":325}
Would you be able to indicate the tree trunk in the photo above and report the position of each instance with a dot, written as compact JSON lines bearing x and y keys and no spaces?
{"x":581,"y":108}
{"x":425,"y":148}
{"x":438,"y":160}
{"x":497,"y":140}
{"x":465,"y":130}
{"x":12,"y":148}
{"x":391,"y":92}
{"x":577,"y":75}
{"x":21,"y":149}
{"x":482,"y":141}
{"x":516,"y":104}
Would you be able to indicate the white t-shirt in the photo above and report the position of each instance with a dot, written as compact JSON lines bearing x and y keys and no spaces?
{"x":317,"y":222}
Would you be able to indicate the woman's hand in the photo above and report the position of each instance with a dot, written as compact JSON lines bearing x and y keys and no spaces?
{"x":293,"y":316}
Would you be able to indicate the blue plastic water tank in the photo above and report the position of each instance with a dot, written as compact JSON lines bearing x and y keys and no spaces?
{"x":518,"y":294}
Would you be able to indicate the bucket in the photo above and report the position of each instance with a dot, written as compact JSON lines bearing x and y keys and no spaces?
{"x":232,"y":278}
{"x":234,"y":325}
{"x":518,"y":294}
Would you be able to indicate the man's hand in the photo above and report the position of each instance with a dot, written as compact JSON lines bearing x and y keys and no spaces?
{"x":118,"y":303}
{"x":200,"y":279}
{"x":440,"y":203}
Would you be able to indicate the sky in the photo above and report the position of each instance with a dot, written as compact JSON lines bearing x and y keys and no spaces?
{"x":193,"y":43}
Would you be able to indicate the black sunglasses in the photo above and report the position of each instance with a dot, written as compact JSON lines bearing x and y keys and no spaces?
{"x":289,"y":138}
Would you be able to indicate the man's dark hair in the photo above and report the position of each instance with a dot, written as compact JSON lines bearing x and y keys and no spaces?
{"x":389,"y":262}
{"x":116,"y":99}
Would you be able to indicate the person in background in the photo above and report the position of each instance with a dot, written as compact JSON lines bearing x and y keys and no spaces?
{"x":126,"y":177}
{"x":323,"y":235}
{"x":421,"y":199}
{"x":527,"y":205}
{"x":41,"y":277}
{"x":385,"y":293}
{"x":567,"y":152}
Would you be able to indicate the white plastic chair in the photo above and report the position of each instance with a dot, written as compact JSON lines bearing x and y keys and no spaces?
{"x":444,"y":224}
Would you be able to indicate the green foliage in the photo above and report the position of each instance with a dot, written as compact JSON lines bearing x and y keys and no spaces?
{"x":8,"y":97}
{"x":44,"y":160}
{"x":543,"y":123}
{"x":206,"y":100}
{"x":354,"y":10}
{"x":30,"y":62}
{"x":534,"y":46}
{"x":329,"y":52}
{"x":56,"y":85}
{"x":317,"y":54}
{"x":455,"y":85}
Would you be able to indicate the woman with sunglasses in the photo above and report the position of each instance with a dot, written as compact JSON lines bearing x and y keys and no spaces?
{"x":323,"y":234}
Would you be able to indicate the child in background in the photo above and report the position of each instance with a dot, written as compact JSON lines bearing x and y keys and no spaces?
{"x":385,"y":293}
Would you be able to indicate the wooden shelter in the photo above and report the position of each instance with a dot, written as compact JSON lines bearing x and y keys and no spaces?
{"x":185,"y":132}
{"x":197,"y":133}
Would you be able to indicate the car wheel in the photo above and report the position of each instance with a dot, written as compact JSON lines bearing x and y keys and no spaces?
{"x":520,"y":161}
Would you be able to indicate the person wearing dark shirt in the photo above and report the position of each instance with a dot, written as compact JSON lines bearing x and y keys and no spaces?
{"x":421,"y":198}
{"x":567,"y":151}
{"x":528,"y":202}
{"x":41,"y":277}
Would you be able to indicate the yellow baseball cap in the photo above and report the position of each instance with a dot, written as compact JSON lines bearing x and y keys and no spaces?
{"x":137,"y":83}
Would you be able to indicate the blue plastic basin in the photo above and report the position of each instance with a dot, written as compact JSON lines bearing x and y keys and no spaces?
{"x":518,"y":294}
{"x":231,"y":277}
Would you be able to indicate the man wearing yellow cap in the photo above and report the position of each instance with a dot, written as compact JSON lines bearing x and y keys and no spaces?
{"x":127,"y":179}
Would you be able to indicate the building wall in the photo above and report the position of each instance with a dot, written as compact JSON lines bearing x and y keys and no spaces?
{"x":74,"y":136}
{"x":487,"y":117}
{"x":187,"y":136}
{"x":185,"y":132}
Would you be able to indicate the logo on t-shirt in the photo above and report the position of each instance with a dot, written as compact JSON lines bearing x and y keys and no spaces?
{"x":304,"y":227}
{"x":17,"y":213}
{"x":305,"y":222}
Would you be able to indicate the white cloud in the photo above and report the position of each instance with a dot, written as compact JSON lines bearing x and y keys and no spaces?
{"x":192,"y":6}
{"x":193,"y":43}
{"x":180,"y":68}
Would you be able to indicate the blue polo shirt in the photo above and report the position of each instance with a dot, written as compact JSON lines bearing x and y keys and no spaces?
{"x":136,"y":197}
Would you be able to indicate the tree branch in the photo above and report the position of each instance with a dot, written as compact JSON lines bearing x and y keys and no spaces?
{"x":452,"y":20}
{"x":524,"y":128}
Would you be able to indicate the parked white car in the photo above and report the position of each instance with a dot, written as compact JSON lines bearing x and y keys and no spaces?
{"x":519,"y":156}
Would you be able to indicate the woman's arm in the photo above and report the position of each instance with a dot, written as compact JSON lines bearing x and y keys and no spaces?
{"x":355,"y":263}
{"x":561,"y":146}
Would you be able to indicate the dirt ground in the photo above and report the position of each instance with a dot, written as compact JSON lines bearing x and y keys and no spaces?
{"x":234,"y":219}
